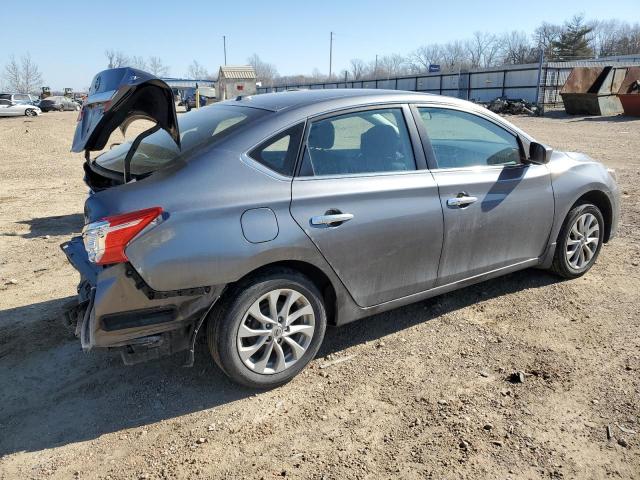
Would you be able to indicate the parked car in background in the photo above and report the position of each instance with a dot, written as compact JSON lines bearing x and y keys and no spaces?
{"x":20,"y":98}
{"x":266,"y":218}
{"x":58,"y":103}
{"x":207,"y":97}
{"x":11,"y":109}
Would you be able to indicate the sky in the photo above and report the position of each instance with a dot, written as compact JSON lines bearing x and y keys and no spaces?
{"x":67,"y":39}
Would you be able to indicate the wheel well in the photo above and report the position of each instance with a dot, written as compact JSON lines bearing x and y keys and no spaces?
{"x":600,"y":200}
{"x":313,"y":273}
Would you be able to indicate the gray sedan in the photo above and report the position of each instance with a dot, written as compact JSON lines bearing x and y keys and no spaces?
{"x":262,"y":220}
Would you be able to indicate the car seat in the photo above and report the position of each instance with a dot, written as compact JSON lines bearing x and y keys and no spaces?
{"x":321,"y":140}
{"x":379,"y":149}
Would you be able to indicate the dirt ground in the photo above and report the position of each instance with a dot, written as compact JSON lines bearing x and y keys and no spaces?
{"x":420,"y":392}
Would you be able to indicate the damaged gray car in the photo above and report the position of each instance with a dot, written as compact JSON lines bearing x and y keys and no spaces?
{"x":262,"y":220}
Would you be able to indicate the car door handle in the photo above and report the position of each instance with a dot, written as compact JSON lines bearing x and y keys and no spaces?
{"x":333,"y":219}
{"x":461,"y":201}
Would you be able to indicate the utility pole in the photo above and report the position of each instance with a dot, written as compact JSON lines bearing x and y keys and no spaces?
{"x":375,"y":69}
{"x":224,"y":46}
{"x":540,"y":105}
{"x":330,"y":53}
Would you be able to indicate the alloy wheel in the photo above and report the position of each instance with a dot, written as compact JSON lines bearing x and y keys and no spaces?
{"x":276,"y":331}
{"x":583,"y":240}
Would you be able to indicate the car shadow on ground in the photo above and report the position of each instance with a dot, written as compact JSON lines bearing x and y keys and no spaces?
{"x":54,"y":225}
{"x":52,"y":394}
{"x":618,"y":118}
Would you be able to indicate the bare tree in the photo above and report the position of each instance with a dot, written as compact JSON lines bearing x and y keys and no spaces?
{"x":23,"y":76}
{"x":137,"y":62}
{"x":12,"y":75}
{"x":614,"y":37}
{"x":629,"y":41}
{"x":318,"y":76}
{"x":358,"y":68}
{"x":482,"y":49}
{"x":605,"y":37}
{"x":197,"y":71}
{"x":392,"y":65}
{"x":454,"y":56}
{"x":265,"y":72}
{"x":425,"y":56}
{"x":518,"y":49}
{"x":157,"y":67}
{"x":115,"y":59}
{"x":545,"y":35}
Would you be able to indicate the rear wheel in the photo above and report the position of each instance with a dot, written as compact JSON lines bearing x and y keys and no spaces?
{"x":579,"y":241}
{"x":30,"y":112}
{"x":267,"y":329}
{"x":61,"y":108}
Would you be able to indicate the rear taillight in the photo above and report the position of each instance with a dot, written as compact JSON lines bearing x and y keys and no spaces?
{"x":106,"y":239}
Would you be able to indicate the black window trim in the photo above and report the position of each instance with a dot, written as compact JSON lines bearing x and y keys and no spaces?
{"x":430,"y":154}
{"x":410,"y":122}
{"x":270,"y":139}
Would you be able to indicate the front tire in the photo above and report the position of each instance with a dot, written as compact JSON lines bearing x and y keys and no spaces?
{"x":579,"y":241}
{"x":267,"y":329}
{"x":30,"y":112}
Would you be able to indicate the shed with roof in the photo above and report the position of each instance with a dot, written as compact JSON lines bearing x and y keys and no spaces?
{"x":234,"y":80}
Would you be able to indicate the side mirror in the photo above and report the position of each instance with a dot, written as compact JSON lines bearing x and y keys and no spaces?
{"x":539,"y":153}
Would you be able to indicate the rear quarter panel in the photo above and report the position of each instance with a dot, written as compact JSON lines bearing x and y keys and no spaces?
{"x":200,"y":240}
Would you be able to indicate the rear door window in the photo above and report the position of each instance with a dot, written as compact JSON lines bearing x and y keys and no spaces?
{"x":461,"y":139}
{"x":370,"y":141}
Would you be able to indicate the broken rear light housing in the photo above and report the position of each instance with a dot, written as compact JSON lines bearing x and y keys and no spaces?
{"x":106,"y":239}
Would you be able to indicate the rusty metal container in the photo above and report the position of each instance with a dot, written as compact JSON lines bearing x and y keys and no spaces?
{"x":593,"y":91}
{"x":629,"y":93}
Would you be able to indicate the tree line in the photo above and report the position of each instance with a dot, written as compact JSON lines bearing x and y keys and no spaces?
{"x":575,"y":39}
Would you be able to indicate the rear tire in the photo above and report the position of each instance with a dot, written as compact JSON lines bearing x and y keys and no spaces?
{"x":579,"y":241}
{"x":267,"y":329}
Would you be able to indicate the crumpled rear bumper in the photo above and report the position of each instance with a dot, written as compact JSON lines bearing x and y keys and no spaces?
{"x":79,"y":314}
{"x":116,"y":309}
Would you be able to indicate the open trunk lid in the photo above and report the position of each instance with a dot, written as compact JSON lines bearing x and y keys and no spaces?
{"x":119,"y":96}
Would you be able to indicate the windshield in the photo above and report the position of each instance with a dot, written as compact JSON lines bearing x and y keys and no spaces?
{"x":198,"y":127}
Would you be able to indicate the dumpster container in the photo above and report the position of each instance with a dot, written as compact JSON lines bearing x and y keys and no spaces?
{"x":629,"y":93}
{"x":593,"y":91}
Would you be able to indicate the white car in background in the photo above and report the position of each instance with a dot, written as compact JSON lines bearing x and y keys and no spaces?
{"x":11,"y":109}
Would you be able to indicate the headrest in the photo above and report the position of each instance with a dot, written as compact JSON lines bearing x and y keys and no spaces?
{"x":322,"y":135}
{"x":379,"y":141}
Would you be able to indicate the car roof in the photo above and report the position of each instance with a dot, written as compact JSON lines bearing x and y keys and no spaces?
{"x":356,"y":96}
